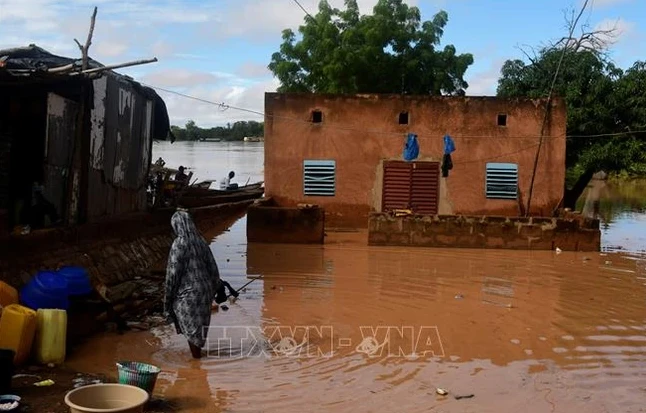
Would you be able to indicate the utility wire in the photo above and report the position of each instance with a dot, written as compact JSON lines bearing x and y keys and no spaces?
{"x":224,"y":106}
{"x":328,"y":125}
{"x":305,"y":11}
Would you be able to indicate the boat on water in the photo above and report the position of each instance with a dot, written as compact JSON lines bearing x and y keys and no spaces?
{"x":196,"y":194}
{"x":204,"y":188}
{"x":188,"y":200}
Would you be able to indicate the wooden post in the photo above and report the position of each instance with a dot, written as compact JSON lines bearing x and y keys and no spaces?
{"x":85,"y":48}
{"x":78,"y":179}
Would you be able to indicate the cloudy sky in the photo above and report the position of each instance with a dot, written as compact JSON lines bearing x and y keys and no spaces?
{"x":218,"y":50}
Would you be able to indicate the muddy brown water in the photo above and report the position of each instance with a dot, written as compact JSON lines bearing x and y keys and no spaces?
{"x":349,"y":328}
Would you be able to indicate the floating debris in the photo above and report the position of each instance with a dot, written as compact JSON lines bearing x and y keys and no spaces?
{"x":44,"y":383}
{"x":465,"y":396}
{"x":80,"y":382}
{"x":558,"y":250}
{"x":20,"y":376}
{"x":441,"y":392}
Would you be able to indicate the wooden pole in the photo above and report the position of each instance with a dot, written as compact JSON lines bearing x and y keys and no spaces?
{"x":85,"y":48}
{"x":80,"y":159}
{"x":118,"y":66}
{"x":548,"y":109}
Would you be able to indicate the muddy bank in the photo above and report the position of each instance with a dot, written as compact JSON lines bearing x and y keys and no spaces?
{"x":51,"y":399}
{"x":125,"y":260}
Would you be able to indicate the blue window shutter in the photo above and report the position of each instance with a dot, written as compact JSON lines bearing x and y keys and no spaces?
{"x":319,"y":177}
{"x":502,"y":181}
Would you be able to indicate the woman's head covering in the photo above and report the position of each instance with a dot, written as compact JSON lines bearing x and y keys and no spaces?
{"x":183,"y":225}
{"x":188,"y":236}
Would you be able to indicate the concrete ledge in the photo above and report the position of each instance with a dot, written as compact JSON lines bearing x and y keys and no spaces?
{"x":268,"y":222}
{"x":489,"y":232}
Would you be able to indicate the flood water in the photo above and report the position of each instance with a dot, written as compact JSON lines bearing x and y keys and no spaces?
{"x":349,"y":328}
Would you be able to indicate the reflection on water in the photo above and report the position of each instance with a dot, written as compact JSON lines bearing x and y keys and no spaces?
{"x":347,"y":327}
{"x":622,"y":211}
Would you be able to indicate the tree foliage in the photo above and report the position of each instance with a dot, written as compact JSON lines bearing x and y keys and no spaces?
{"x":236,"y":132}
{"x":601,"y":99}
{"x":390,"y":51}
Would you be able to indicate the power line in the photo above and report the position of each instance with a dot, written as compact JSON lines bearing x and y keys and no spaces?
{"x":305,"y":10}
{"x":223,"y":106}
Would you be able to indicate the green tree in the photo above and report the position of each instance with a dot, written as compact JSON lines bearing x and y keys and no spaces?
{"x":192,"y":131}
{"x":390,"y":51}
{"x":232,"y":132}
{"x":600,"y":99}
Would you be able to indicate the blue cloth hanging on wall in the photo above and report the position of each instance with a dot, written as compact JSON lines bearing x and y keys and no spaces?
{"x":447,"y":162}
{"x":411,"y":150}
{"x":449,"y":145}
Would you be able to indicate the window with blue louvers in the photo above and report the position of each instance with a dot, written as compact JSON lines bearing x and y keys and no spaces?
{"x":502,"y":181}
{"x":319,"y":177}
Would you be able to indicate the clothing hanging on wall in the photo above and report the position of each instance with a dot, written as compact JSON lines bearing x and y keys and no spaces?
{"x":447,"y":163}
{"x":411,"y":149}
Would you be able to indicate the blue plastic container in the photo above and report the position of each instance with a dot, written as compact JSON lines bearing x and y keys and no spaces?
{"x":46,"y":290}
{"x":78,"y":280}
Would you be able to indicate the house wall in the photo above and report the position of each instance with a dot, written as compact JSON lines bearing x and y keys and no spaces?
{"x":361,"y":132}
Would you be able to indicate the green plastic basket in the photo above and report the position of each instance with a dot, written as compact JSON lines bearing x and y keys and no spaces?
{"x":138,"y":374}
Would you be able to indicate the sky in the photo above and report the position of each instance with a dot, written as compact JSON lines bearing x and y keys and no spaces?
{"x":218,"y":50}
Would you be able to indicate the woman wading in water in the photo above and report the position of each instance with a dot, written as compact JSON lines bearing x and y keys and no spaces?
{"x":192,"y":280}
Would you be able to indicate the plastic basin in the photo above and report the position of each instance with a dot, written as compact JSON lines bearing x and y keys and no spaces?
{"x":52,"y":282}
{"x":10,"y":399}
{"x":46,"y":290}
{"x":138,"y":374}
{"x":36,"y":299}
{"x":78,"y":280}
{"x":107,"y":398}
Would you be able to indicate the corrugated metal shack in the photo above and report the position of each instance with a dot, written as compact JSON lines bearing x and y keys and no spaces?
{"x":84,"y":139}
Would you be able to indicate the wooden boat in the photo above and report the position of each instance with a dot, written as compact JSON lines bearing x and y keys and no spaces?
{"x":223,"y":197}
{"x":202,"y":189}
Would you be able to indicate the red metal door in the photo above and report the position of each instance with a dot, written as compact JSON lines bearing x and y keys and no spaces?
{"x":396,"y":185}
{"x":425,"y":188}
{"x":411,"y":185}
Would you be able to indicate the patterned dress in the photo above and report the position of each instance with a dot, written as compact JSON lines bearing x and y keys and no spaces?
{"x":192,"y":279}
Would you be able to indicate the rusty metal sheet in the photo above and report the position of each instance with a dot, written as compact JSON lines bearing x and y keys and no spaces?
{"x":111,"y":132}
{"x":97,"y":117}
{"x":61,"y":126}
{"x":396,"y":185}
{"x":425,"y":188}
{"x":127,"y":144}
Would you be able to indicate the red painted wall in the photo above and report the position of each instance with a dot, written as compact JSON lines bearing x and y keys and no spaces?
{"x":360,"y":132}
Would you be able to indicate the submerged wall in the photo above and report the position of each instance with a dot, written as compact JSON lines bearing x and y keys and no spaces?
{"x":455,"y":231}
{"x":269,"y":223}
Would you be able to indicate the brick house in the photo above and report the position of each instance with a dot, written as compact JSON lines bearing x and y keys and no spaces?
{"x":344,"y":153}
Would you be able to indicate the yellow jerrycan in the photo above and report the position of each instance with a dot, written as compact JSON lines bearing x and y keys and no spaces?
{"x":51,"y":336}
{"x":17,"y":331}
{"x":8,"y":294}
